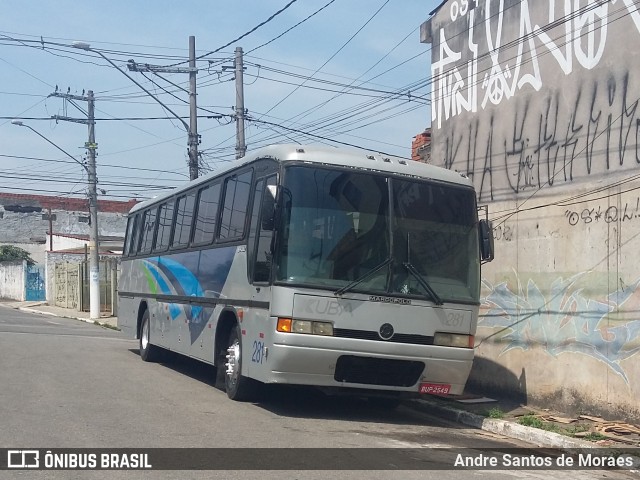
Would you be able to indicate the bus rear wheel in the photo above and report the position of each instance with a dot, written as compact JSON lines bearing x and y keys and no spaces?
{"x":148,"y":352}
{"x":238,"y":387}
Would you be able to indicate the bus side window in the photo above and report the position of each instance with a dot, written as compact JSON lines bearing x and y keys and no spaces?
{"x":184,"y":217}
{"x":131,"y":232}
{"x":264,"y":227}
{"x":165,"y":221}
{"x":234,"y":209}
{"x":148,"y":230}
{"x":208,"y":201}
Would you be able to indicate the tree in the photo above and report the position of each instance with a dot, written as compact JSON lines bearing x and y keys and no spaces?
{"x":9,"y":253}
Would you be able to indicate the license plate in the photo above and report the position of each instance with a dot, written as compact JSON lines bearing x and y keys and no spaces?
{"x":434,"y":388}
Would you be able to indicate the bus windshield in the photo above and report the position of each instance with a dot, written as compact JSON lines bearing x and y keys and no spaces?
{"x":379,"y":234}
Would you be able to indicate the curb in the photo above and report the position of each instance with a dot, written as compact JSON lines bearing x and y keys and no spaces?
{"x":536,"y":436}
{"x":86,"y":320}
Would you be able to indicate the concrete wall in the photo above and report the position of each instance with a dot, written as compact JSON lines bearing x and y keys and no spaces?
{"x":12,"y":280}
{"x":538,"y":103}
{"x":25,"y":221}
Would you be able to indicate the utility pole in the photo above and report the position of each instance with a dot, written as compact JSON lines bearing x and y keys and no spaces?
{"x":193,"y":139}
{"x":94,"y":255}
{"x":193,"y":112}
{"x":91,"y":146}
{"x":241,"y":146}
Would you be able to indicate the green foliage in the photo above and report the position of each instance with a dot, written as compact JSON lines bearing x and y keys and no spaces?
{"x":11,"y":253}
{"x":530,"y":420}
{"x":495,"y":413}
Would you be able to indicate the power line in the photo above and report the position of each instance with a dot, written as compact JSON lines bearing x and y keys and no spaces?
{"x":291,"y":28}
{"x":101,"y":164}
{"x":243,"y":35}
{"x":334,"y":55}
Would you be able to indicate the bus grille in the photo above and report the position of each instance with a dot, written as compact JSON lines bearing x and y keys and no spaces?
{"x":369,"y":335}
{"x":378,"y":371}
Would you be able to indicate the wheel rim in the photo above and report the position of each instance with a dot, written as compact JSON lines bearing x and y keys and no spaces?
{"x":233,"y":362}
{"x":144,"y":338}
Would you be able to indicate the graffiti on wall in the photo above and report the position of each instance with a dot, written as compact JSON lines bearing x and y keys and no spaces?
{"x":574,"y":33}
{"x":625,"y":212}
{"x":585,"y":119}
{"x":563,"y":319}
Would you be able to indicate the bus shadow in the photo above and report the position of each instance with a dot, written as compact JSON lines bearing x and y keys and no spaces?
{"x":307,"y":402}
{"x":189,"y":367}
{"x":310,"y":402}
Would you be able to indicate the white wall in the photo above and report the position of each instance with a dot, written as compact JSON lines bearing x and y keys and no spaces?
{"x":12,"y":280}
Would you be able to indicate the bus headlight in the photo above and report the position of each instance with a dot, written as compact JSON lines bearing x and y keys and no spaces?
{"x":322,"y":328}
{"x":301,"y":326}
{"x":458,"y":340}
{"x":288,"y":325}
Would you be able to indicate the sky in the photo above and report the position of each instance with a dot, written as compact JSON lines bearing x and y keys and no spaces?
{"x":338,"y":73}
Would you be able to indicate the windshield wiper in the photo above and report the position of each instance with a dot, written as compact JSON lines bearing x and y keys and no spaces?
{"x":423,"y":282}
{"x":361,"y":279}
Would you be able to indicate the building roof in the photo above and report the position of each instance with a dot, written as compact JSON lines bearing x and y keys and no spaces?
{"x":64,"y":203}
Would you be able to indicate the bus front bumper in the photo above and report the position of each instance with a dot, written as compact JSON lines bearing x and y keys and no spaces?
{"x":373,"y":369}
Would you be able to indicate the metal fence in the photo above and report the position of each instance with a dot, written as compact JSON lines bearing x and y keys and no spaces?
{"x":66,"y":285}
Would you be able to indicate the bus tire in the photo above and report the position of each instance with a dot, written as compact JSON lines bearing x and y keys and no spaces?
{"x":237,"y":386}
{"x":148,"y":352}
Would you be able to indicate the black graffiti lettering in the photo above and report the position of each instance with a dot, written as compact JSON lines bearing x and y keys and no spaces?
{"x":503,"y":232}
{"x":592,"y":134}
{"x":573,"y":217}
{"x":628,"y":113}
{"x":518,"y":148}
{"x":487,"y":165}
{"x":547,"y":141}
{"x":627,"y":212}
{"x":586,"y":216}
{"x":546,"y":144}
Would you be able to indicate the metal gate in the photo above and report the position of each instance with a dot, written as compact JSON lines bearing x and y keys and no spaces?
{"x":67,"y":285}
{"x":35,"y":285}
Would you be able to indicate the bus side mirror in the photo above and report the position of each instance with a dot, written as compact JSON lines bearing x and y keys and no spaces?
{"x":486,"y":241}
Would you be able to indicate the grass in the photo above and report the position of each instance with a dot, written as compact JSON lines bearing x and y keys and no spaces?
{"x":106,"y":325}
{"x":495,"y":413}
{"x":594,"y":437}
{"x":531,"y":420}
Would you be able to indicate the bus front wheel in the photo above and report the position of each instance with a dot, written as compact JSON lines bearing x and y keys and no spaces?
{"x":238,"y":387}
{"x":148,"y":352}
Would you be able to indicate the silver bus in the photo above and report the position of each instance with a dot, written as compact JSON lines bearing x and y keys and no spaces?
{"x":335,"y":268}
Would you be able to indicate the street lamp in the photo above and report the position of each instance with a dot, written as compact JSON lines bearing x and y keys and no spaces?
{"x":20,"y":123}
{"x":94,"y":282}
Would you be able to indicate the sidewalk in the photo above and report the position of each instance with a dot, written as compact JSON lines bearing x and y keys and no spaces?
{"x":43,"y":308}
{"x":500,"y":416}
{"x":539,"y":426}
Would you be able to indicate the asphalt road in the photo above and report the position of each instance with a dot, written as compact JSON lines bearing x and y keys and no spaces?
{"x":70,"y":384}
